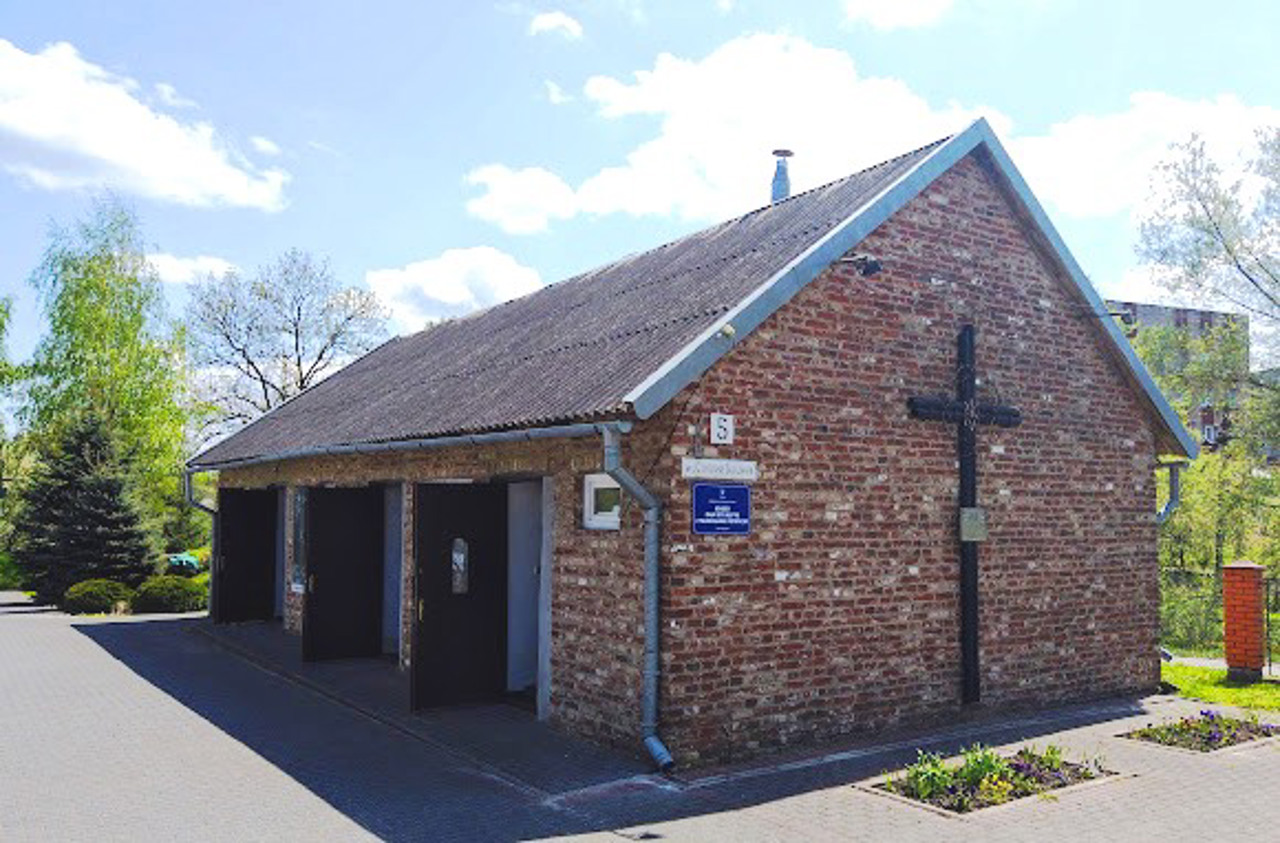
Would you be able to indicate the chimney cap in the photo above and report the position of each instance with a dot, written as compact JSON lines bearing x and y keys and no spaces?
{"x":783,"y":153}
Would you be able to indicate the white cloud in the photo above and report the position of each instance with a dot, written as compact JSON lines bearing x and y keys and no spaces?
{"x":1097,"y":165}
{"x":66,"y":123}
{"x":456,"y":282}
{"x":724,"y":7}
{"x":266,"y":146}
{"x":555,"y":22}
{"x":708,"y":158}
{"x":556,"y":94}
{"x":521,"y":201}
{"x":895,"y":14}
{"x":718,"y":118}
{"x":175,"y":270}
{"x":169,"y":96}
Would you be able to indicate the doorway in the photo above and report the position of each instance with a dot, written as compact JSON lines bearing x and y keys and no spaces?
{"x":481,"y":622}
{"x":244,"y":576}
{"x":342,"y":617}
{"x":460,"y":623}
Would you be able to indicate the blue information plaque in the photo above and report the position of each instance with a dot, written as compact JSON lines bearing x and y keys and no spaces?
{"x":721,"y":509}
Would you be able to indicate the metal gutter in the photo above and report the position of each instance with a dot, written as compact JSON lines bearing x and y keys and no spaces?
{"x":564,"y":431}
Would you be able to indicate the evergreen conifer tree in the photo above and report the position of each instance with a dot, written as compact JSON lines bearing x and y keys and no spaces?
{"x":77,"y":518}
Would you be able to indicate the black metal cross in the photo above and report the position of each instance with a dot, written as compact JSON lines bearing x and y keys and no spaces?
{"x":966,"y":413}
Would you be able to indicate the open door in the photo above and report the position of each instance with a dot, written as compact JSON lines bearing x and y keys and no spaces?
{"x":460,"y":626}
{"x":245,"y":567}
{"x":344,"y":558}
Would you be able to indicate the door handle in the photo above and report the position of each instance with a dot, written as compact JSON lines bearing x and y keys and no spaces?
{"x":311,"y":583}
{"x":419,"y":611}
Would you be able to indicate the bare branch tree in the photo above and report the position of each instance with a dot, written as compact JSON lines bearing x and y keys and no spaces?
{"x":258,"y":341}
{"x":1218,"y":237}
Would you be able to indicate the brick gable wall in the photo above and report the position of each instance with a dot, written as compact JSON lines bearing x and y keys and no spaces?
{"x":840,"y":612}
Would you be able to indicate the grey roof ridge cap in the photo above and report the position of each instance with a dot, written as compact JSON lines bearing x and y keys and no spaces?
{"x":636,"y":397}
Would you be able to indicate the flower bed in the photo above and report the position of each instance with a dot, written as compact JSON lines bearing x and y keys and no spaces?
{"x":1205,"y":732}
{"x":984,"y":778}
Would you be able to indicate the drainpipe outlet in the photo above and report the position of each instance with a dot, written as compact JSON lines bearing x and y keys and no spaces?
{"x":1175,"y":492}
{"x":658,"y":752}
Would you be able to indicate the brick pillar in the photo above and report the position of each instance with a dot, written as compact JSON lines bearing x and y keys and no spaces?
{"x":1244,"y":620}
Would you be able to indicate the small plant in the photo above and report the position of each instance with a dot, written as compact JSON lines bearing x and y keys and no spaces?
{"x":994,"y":790}
{"x":979,"y":763}
{"x":170,"y":594}
{"x":984,"y":778}
{"x":1205,"y":732}
{"x":929,"y":775}
{"x":96,"y":597}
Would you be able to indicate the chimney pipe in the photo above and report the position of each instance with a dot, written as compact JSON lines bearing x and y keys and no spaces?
{"x":781,"y":179}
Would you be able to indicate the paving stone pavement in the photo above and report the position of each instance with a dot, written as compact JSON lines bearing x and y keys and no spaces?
{"x":140,"y":730}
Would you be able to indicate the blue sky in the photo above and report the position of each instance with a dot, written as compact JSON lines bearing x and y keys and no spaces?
{"x":451,"y":155}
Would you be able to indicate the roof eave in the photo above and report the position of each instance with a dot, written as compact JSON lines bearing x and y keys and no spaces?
{"x":736,"y":324}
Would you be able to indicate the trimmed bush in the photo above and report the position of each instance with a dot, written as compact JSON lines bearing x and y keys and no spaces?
{"x":93,"y":597}
{"x":10,"y":574}
{"x":170,"y":594}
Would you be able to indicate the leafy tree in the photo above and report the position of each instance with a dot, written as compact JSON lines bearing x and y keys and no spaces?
{"x":261,"y":340}
{"x":108,"y":350}
{"x":1227,"y":509}
{"x":1214,"y":235}
{"x":1217,"y":235}
{"x":78,"y":519}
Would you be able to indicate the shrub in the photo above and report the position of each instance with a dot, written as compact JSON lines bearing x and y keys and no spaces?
{"x":95,"y":597}
{"x":10,"y":574}
{"x":1191,"y":617}
{"x":170,"y":594}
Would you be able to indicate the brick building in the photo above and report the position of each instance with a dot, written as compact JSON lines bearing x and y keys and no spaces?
{"x":695,"y":498}
{"x":1212,"y":423}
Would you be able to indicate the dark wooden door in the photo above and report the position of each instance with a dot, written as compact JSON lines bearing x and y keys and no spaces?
{"x":460,"y":633}
{"x":344,"y":559}
{"x":245,"y":568}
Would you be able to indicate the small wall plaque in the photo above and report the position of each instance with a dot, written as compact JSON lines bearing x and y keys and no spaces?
{"x":743,"y":471}
{"x":973,"y":524}
{"x":721,"y":429}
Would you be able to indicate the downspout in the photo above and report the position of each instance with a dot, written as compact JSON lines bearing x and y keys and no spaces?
{"x":1175,"y":492}
{"x":652,"y":619}
{"x":189,"y":489}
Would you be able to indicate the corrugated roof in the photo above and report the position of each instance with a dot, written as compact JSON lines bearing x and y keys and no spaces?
{"x":626,"y":337}
{"x":572,"y":350}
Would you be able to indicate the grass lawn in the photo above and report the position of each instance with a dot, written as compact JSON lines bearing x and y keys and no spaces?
{"x":1211,"y":685}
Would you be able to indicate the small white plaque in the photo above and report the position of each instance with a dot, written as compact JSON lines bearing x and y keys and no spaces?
{"x":721,"y":429}
{"x":296,"y":588}
{"x":708,"y":469}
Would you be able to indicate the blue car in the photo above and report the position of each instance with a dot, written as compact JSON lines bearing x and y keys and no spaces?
{"x":184,"y":564}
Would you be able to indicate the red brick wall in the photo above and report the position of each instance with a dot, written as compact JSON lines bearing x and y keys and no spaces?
{"x":597,"y":577}
{"x":840,"y":612}
{"x":1244,"y":618}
